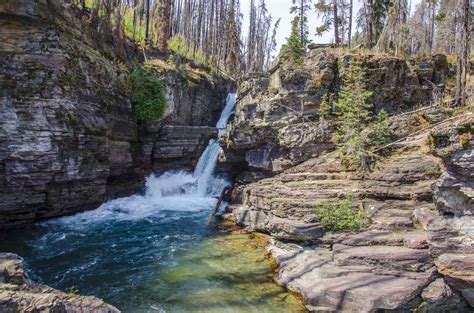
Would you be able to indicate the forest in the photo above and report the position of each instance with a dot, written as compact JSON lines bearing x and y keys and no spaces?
{"x":211,"y":32}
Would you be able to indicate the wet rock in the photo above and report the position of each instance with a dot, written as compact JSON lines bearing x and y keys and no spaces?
{"x":179,"y":147}
{"x":468,"y":294}
{"x":69,"y":138}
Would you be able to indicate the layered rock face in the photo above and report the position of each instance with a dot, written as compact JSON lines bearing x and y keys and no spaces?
{"x":68,"y":135}
{"x":415,"y":251}
{"x":19,"y":294}
{"x":277,"y":123}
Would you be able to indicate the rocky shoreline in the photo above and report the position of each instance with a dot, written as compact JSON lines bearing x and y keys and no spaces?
{"x":18,"y":293}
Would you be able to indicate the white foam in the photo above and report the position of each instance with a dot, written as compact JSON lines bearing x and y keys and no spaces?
{"x":172,"y":191}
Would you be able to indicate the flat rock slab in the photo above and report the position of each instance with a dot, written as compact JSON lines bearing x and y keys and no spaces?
{"x":280,"y":228}
{"x":329,"y":287}
{"x":401,"y":258}
{"x":410,"y":239}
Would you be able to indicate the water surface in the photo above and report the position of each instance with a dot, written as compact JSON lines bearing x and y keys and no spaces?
{"x":153,"y":252}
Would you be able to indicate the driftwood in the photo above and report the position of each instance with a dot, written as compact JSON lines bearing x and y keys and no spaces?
{"x":218,"y":204}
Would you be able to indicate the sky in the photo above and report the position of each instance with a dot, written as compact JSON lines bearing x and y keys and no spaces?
{"x":281,"y":9}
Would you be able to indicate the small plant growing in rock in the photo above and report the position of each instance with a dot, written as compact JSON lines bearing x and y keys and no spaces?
{"x":358,"y":129}
{"x":72,"y":291}
{"x":148,"y":94}
{"x":464,"y":139}
{"x":339,"y":215}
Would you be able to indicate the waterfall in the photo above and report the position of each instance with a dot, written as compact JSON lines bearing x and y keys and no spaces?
{"x":204,"y":172}
{"x":174,"y":190}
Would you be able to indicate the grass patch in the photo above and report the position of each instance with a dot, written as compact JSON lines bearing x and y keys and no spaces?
{"x":187,"y":50}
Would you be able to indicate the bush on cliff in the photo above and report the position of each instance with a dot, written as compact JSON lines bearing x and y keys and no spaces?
{"x":358,"y":129}
{"x":148,"y":94}
{"x":339,"y":215}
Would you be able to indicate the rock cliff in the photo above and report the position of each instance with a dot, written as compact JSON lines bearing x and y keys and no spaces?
{"x":415,"y":250}
{"x":68,"y":134}
{"x":277,"y":123}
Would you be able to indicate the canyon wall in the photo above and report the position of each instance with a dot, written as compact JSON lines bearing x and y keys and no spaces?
{"x":68,"y":135}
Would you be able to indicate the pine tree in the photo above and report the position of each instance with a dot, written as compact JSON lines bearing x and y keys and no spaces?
{"x":301,"y":8}
{"x":394,"y":35}
{"x":328,"y":13}
{"x":358,"y":129}
{"x":337,"y":15}
{"x":370,"y":19}
{"x":293,"y":50}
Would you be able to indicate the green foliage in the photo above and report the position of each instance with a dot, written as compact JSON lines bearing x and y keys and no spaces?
{"x":67,"y":79}
{"x":148,"y":95}
{"x":339,"y":215}
{"x":358,"y":129}
{"x":72,"y":292}
{"x":181,"y":47}
{"x":293,"y":50}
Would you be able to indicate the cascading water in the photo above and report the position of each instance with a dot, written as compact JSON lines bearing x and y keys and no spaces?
{"x":177,"y":190}
{"x":153,"y":252}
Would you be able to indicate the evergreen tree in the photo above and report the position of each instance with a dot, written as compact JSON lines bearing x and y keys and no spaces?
{"x":358,"y":129}
{"x":394,"y":35}
{"x":370,"y":20}
{"x":337,"y":15}
{"x":293,"y":50}
{"x":327,"y":11}
{"x":301,"y":8}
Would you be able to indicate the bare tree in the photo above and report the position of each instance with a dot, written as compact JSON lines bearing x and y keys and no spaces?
{"x":163,"y":24}
{"x":462,"y":50}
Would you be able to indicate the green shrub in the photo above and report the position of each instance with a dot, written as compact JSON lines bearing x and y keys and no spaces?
{"x":358,"y":129}
{"x":339,"y":215}
{"x":148,"y":94}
